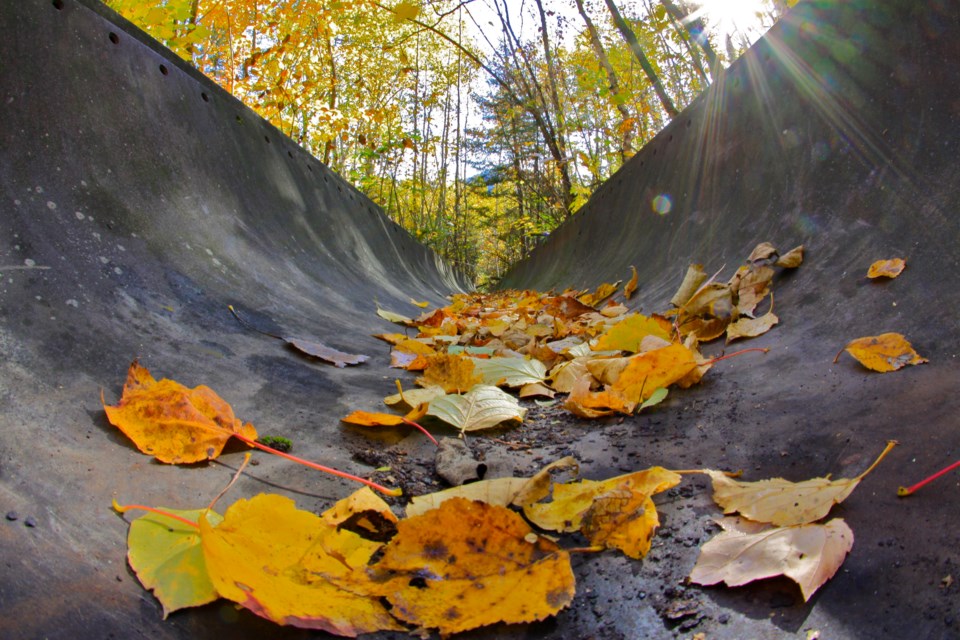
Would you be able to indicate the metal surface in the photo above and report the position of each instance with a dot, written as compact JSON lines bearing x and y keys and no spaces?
{"x":139,"y":200}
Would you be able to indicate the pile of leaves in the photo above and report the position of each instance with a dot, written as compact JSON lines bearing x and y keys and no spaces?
{"x":586,"y":344}
{"x":490,"y":551}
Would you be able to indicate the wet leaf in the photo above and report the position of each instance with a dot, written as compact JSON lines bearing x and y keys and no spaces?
{"x":883,"y":353}
{"x":319,"y":350}
{"x":468,"y":564}
{"x":746,"y":551}
{"x":482,"y":407}
{"x":887,"y":268}
{"x":174,"y":424}
{"x":285,"y":565}
{"x":453,"y":373}
{"x":168,"y":560}
{"x":782,"y":502}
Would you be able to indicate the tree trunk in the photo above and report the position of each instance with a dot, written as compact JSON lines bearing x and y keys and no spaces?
{"x":697,"y":33}
{"x":631,"y":39}
{"x":626,"y":145}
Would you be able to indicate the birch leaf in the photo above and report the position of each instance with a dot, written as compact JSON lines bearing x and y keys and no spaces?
{"x":482,"y":407}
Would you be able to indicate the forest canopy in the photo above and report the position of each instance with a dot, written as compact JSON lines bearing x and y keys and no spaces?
{"x":480,"y":125}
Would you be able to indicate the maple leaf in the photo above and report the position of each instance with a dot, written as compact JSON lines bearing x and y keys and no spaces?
{"x":886,"y":268}
{"x":284,"y":564}
{"x":745,"y":551}
{"x":482,"y":407}
{"x":174,"y":424}
{"x":468,"y":564}
{"x":165,"y":554}
{"x":884,"y":353}
{"x":782,"y":502}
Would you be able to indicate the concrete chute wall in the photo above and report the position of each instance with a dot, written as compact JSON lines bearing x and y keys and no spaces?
{"x":139,"y":200}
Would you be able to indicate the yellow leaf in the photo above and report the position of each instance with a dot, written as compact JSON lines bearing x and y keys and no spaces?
{"x":692,"y":279}
{"x":884,"y":353}
{"x":174,"y":424}
{"x":627,"y":334}
{"x":595,"y":404}
{"x":791,"y":259}
{"x":405,"y":11}
{"x":372,"y":419}
{"x":746,"y":551}
{"x":422,"y":305}
{"x":467,"y":564}
{"x":647,"y":372}
{"x":886,"y":268}
{"x":454,"y":373}
{"x":496,"y":491}
{"x":750,"y":285}
{"x":413,"y":398}
{"x":751,"y":327}
{"x":631,"y":285}
{"x":614,"y":513}
{"x":394,"y":317}
{"x":782,"y":502}
{"x":282,"y":564}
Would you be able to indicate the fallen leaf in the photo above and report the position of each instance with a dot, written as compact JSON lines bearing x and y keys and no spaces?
{"x":453,"y":373}
{"x":284,"y":564}
{"x":373,"y":419}
{"x":791,"y":259}
{"x":782,"y":502}
{"x":763,"y":252}
{"x":532,"y":389}
{"x":887,"y":268}
{"x":884,"y":353}
{"x":394,"y":317}
{"x":595,"y":404}
{"x":614,"y":513}
{"x":713,"y":300}
{"x":751,"y":327}
{"x":482,"y":407}
{"x":168,"y":560}
{"x":174,"y":424}
{"x":692,"y":279}
{"x":391,"y":338}
{"x":745,"y":551}
{"x":497,"y":491}
{"x":319,"y":350}
{"x":631,"y":285}
{"x":750,"y":285}
{"x":647,"y":372}
{"x":510,"y":372}
{"x":468,"y":564}
{"x":627,"y":334}
{"x":422,"y":305}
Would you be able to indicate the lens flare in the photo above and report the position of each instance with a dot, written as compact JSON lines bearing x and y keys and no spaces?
{"x":662,"y":204}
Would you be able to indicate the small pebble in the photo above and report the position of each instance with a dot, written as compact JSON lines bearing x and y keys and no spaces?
{"x":30,"y":521}
{"x":12,"y":516}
